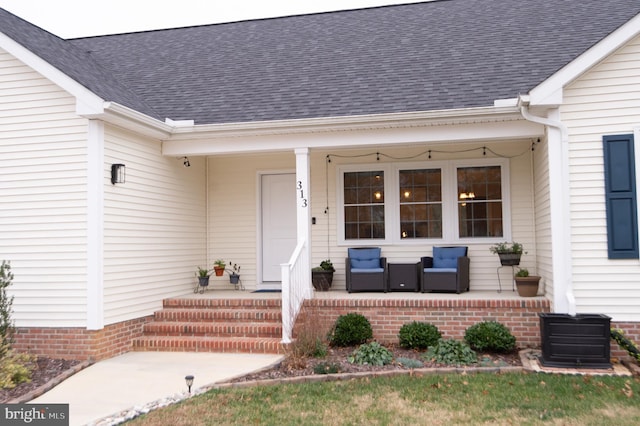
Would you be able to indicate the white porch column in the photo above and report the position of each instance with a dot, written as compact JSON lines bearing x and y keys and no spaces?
{"x":303,"y":209}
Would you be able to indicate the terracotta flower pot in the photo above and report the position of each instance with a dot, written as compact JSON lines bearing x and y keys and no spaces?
{"x":219,"y":270}
{"x":527,"y":286}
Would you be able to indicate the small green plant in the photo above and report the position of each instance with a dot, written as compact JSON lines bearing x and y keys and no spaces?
{"x":202,"y":273}
{"x":490,"y":336}
{"x":625,"y":343}
{"x":350,"y":329}
{"x":325,"y":265}
{"x":410,"y":362}
{"x":451,"y":352}
{"x":326,"y":368}
{"x":506,"y":247}
{"x":418,"y":335}
{"x":371,"y":354}
{"x":6,"y":302}
{"x":15,"y":368}
{"x":220,"y":263}
{"x":522,"y":273}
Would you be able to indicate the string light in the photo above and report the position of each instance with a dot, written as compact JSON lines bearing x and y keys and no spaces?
{"x":429,"y":153}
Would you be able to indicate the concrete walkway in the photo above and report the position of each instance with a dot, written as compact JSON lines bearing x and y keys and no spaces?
{"x":140,"y":378}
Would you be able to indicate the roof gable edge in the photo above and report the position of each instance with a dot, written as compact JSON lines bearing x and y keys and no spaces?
{"x":550,"y":91}
{"x":87,"y":102}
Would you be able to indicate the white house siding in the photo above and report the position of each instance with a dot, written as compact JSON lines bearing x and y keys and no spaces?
{"x":542,"y":217}
{"x":154,"y":226}
{"x":233,"y":210}
{"x":604,"y":101}
{"x":43,"y":210}
{"x":483,"y":263}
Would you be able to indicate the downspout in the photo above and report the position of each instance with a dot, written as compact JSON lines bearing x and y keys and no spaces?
{"x":565,"y":255}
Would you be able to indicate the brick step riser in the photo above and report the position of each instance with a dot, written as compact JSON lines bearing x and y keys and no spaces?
{"x":222,"y":304}
{"x":271,"y":346}
{"x":212,"y":330}
{"x":212,"y":315}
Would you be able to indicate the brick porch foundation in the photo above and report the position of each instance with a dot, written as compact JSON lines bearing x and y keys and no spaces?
{"x":452,"y":317}
{"x":79,"y":343}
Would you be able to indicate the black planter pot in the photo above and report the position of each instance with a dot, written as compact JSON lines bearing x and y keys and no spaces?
{"x":234,"y":278}
{"x":578,"y":341}
{"x":322,"y":280}
{"x":203,"y":282}
{"x":509,"y":259}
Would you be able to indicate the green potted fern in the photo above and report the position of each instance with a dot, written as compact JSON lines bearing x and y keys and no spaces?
{"x":218,"y":267}
{"x":203,"y":279}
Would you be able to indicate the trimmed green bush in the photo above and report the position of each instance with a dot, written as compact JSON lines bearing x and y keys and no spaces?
{"x":490,"y":336}
{"x":451,"y":352}
{"x":371,"y":354}
{"x":418,"y":335}
{"x":350,"y":330}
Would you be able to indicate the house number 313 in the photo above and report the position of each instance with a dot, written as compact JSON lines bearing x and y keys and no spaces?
{"x":299,"y":189}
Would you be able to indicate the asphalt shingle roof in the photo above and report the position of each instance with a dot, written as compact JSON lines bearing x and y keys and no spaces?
{"x":416,"y":57}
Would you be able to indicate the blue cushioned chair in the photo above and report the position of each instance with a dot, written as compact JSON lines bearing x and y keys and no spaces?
{"x":447,"y":270}
{"x":366,"y":270}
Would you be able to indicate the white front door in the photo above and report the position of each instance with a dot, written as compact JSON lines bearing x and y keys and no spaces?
{"x":278,"y":223}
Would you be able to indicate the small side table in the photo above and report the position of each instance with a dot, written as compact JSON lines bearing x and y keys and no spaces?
{"x":403,"y":276}
{"x":513,"y":280}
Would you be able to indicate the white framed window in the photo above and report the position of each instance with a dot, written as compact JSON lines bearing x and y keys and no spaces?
{"x":417,"y":202}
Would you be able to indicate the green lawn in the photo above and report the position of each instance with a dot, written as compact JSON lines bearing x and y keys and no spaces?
{"x":495,"y":399}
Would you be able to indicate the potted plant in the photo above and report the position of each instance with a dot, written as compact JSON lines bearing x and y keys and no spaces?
{"x":527,"y":285}
{"x":203,"y":279}
{"x":234,"y":273}
{"x":509,"y":253}
{"x":218,"y":267}
{"x":322,"y":276}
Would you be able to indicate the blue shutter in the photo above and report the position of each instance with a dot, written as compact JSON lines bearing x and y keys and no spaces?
{"x":620,"y":193}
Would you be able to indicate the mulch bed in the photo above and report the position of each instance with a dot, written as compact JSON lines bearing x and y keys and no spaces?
{"x":339,"y":357}
{"x":47,"y":369}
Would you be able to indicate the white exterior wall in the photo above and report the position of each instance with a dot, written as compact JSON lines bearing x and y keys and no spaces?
{"x":43,"y":207}
{"x":234,"y":217}
{"x":154,"y":226}
{"x":233,"y":210}
{"x":483,"y":263}
{"x":605,"y":101}
{"x":543,"y":217}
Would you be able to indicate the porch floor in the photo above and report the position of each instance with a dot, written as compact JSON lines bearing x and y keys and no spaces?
{"x":343,"y":294}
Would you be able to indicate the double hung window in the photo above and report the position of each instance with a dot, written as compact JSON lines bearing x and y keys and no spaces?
{"x":434,"y":201}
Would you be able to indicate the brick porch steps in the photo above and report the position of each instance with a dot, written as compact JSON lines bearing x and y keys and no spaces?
{"x":214,"y":325}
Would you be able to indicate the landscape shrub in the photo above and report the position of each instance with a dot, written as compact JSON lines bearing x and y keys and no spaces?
{"x":418,"y":335}
{"x":371,"y":354}
{"x":490,"y":336}
{"x":350,"y":329}
{"x":451,"y":352}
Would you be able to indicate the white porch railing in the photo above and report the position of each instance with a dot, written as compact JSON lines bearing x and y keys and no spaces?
{"x":296,"y":286}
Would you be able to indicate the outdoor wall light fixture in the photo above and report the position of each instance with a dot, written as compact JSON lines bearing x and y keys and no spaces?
{"x":117,"y":173}
{"x":189,"y":380}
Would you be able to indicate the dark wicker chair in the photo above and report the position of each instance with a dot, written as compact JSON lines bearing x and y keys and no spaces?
{"x":366,"y":270}
{"x":447,"y":270}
